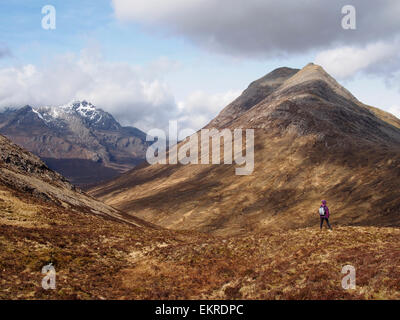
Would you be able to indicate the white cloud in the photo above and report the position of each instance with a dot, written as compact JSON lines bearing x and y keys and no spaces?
{"x":286,"y":28}
{"x":200,"y":107}
{"x":394,"y":109}
{"x":134,"y":95}
{"x":345,"y":62}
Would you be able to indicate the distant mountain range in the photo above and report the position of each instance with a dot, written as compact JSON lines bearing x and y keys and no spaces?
{"x":84,"y":143}
{"x":313,"y":140}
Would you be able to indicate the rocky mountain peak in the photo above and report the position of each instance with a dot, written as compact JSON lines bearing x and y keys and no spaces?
{"x":89,"y":114}
{"x":257,"y":91}
{"x":307,"y":101}
{"x":311,"y":102}
{"x":25,"y":116}
{"x":315,"y":73}
{"x":277,"y":77}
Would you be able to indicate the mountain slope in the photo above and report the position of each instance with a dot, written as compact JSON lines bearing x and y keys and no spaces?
{"x":257,"y":91}
{"x":80,"y":141}
{"x":25,"y":174}
{"x":313,"y":140}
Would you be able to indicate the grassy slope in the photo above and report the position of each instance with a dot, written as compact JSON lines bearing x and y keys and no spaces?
{"x":301,"y":264}
{"x":98,"y":258}
{"x":290,"y":178}
{"x":86,"y":250}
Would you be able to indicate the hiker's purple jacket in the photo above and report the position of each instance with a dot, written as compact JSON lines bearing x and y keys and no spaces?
{"x":326,"y":211}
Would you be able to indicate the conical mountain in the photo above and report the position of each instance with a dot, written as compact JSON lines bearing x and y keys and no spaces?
{"x":313,"y":140}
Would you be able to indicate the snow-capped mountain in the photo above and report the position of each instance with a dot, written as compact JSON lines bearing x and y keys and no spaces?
{"x":78,"y":139}
{"x":91,"y":116}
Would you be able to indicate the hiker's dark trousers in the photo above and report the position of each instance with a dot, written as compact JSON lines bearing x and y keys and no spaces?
{"x":322,"y":222}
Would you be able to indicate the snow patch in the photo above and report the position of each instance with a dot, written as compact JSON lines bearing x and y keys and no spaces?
{"x":38,"y":113}
{"x":75,"y":109}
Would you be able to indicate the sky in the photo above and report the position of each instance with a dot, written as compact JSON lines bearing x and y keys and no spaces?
{"x":148,"y":62}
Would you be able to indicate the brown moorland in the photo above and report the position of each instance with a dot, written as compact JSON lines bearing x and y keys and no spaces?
{"x":107,"y":255}
{"x":98,"y":258}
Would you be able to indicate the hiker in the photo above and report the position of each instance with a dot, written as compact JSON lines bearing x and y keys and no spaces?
{"x":324,"y":214}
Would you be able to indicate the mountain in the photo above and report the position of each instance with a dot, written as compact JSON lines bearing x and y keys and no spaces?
{"x":313,"y":140}
{"x":84,"y":143}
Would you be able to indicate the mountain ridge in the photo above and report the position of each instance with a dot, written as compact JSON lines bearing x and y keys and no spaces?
{"x":255,"y":92}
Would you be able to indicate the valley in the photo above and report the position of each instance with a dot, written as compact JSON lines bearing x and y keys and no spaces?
{"x":100,"y":258}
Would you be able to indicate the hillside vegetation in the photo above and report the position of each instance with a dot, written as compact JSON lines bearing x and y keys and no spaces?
{"x":98,"y":258}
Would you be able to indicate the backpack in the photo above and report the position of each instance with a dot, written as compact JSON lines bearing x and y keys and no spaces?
{"x":321,"y":211}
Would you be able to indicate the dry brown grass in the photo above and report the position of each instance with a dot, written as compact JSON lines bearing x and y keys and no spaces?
{"x":96,"y":258}
{"x":290,"y":178}
{"x":301,"y":264}
{"x":87,"y":250}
